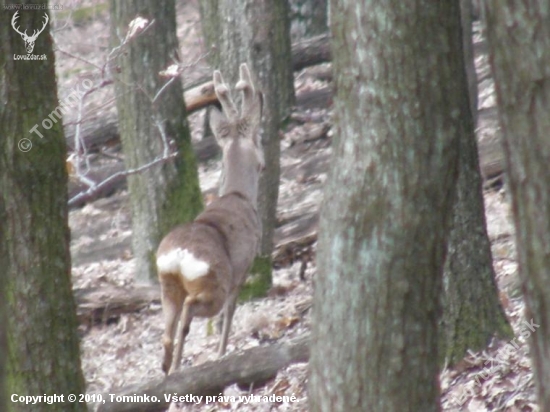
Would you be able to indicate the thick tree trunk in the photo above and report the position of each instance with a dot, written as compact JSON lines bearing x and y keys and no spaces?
{"x":384,"y":223}
{"x":471,"y":309}
{"x":43,"y":349}
{"x":257,"y":32}
{"x":519,"y":40}
{"x":466,"y":17}
{"x":3,"y":310}
{"x":167,"y":194}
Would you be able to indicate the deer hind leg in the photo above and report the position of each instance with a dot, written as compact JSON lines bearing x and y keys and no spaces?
{"x":183,"y":331}
{"x":228,"y":311}
{"x":172,"y":298}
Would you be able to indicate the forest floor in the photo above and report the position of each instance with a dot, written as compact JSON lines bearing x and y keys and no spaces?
{"x":127,"y":350}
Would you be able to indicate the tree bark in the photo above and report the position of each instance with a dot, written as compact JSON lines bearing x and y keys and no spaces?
{"x":256,"y":365}
{"x":519,"y":40}
{"x":168,"y":194}
{"x":472,"y":314}
{"x":42,"y":350}
{"x":466,"y":17}
{"x":3,"y":306}
{"x":308,"y":18}
{"x":384,"y":223}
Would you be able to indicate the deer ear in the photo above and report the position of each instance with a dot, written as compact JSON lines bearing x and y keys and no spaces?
{"x":219,"y":125}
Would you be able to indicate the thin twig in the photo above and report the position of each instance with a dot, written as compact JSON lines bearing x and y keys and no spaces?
{"x":181,"y":69}
{"x":166,"y":145}
{"x":164,"y":87}
{"x":60,"y":50}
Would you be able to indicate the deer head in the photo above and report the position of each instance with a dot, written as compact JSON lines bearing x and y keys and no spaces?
{"x":238,"y":135}
{"x":29,"y":40}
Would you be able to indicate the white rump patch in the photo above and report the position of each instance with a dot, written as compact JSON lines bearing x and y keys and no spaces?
{"x":182,"y":261}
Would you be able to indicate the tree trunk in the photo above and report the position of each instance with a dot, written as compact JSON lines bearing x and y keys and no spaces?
{"x":308,"y":18}
{"x":471,"y":308}
{"x":519,"y":40}
{"x":3,"y":308}
{"x":466,"y":17}
{"x":382,"y":237}
{"x":168,"y":194}
{"x":43,"y":348}
{"x":257,"y":32}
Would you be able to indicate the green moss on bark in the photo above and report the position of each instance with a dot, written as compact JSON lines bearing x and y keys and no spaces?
{"x":42,"y":352}
{"x":259,"y":280}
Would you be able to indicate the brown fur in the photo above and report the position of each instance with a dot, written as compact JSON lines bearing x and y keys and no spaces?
{"x":225,"y":236}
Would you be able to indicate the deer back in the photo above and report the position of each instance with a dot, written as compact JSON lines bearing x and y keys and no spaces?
{"x":236,"y":218}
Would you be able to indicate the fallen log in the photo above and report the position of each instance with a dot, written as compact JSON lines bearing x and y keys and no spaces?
{"x":99,"y":305}
{"x":311,"y":52}
{"x":259,"y":364}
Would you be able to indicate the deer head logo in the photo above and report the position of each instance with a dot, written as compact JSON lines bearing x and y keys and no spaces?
{"x":29,"y":40}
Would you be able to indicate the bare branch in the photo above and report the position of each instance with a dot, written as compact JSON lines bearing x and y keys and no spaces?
{"x":136,"y":28}
{"x":96,"y":188}
{"x":74,"y":56}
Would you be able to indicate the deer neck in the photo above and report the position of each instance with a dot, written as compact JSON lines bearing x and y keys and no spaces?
{"x":240,"y":171}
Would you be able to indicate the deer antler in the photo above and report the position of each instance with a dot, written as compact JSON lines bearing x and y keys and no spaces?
{"x":224,"y":96}
{"x":13,"y":23}
{"x":24,"y":34}
{"x":246,"y":86}
{"x":252,"y":101}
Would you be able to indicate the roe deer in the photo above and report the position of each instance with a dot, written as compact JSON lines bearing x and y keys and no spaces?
{"x":203,"y":264}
